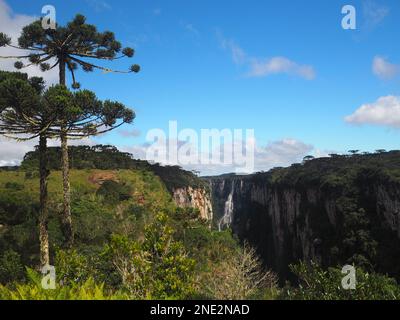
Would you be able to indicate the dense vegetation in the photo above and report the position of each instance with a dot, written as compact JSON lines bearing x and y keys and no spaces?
{"x":132,"y":242}
{"x":316,"y":283}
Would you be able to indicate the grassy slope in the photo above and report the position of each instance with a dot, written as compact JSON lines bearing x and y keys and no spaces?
{"x":94,"y":220}
{"x":147,"y":187}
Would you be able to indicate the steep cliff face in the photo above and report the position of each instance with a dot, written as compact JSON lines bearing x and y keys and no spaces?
{"x":263,"y":216}
{"x":388,"y":205}
{"x":328,"y":219}
{"x":198,"y":198}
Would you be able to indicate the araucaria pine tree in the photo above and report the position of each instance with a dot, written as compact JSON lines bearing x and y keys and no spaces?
{"x":26,"y":112}
{"x":25,"y":115}
{"x":69,"y":47}
{"x":82,"y":115}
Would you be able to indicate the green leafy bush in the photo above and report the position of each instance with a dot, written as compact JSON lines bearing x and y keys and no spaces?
{"x":32,"y":174}
{"x":316,"y":283}
{"x":11,"y":268}
{"x":89,"y":290}
{"x":93,"y":222}
{"x":14,"y":186}
{"x":71,"y":267}
{"x":157,"y":267}
{"x":114,"y":192}
{"x":128,"y":266}
{"x":172,"y":269}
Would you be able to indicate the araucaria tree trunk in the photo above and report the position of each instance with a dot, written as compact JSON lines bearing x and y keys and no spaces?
{"x":66,"y":216}
{"x":62,"y":71}
{"x":43,"y":214}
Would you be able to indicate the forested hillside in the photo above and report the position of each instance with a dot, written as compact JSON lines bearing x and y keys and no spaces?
{"x":131,"y":239}
{"x":133,"y":242}
{"x":106,"y":157}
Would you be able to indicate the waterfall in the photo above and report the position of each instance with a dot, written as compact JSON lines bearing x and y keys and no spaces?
{"x":226,"y":220}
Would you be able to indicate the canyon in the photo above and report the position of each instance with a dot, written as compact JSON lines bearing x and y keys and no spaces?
{"x":335,"y":211}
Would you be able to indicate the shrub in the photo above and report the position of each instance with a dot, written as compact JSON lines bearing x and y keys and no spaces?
{"x":114,"y":192}
{"x":239,"y":277}
{"x":155,"y":268}
{"x":130,"y":264}
{"x":31,"y":174}
{"x":14,"y":186}
{"x":11,"y":268}
{"x":93,"y":222}
{"x":316,"y":283}
{"x":71,"y":267}
{"x":89,"y":290}
{"x":172,"y":269}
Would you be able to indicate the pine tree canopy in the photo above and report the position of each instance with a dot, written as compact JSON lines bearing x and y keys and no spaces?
{"x":26,"y":109}
{"x":75,"y":45}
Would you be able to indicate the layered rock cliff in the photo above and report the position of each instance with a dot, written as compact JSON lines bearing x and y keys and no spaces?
{"x":336,"y":211}
{"x":198,"y":198}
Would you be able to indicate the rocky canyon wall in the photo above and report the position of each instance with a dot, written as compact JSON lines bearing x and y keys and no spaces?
{"x":287,"y":222}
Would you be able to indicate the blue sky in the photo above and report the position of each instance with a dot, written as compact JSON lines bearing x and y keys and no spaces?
{"x":209,"y":64}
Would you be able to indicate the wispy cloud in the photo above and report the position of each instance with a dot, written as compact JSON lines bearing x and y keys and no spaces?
{"x":276,"y":65}
{"x":278,"y":153}
{"x":282,"y":152}
{"x":384,"y":69}
{"x":157,"y":11}
{"x":383,"y":112}
{"x":373,"y":13}
{"x":238,"y":54}
{"x":130,"y":133}
{"x":263,"y":67}
{"x":99,"y":5}
{"x":191,"y":29}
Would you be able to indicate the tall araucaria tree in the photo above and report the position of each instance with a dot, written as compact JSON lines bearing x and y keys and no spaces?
{"x":75,"y":45}
{"x":25,"y":115}
{"x":83,"y":115}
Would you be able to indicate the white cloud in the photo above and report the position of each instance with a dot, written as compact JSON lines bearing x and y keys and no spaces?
{"x":276,"y":65}
{"x":12,"y":24}
{"x":318,"y":153}
{"x":384,"y":69}
{"x":12,"y":152}
{"x":384,"y":112}
{"x":266,"y":66}
{"x":281,"y":153}
{"x":130,"y":133}
{"x":238,"y":54}
{"x":276,"y":154}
